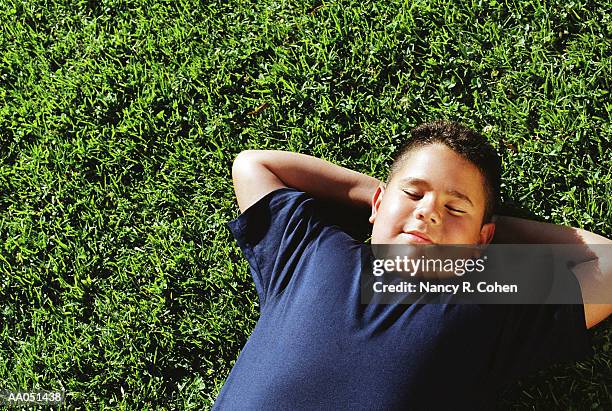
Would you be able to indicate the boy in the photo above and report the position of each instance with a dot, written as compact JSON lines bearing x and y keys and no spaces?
{"x":316,"y":346}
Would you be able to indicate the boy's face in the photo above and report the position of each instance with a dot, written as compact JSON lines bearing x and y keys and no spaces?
{"x":437,"y":197}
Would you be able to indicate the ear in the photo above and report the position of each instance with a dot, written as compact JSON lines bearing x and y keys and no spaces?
{"x":376,"y":200}
{"x":486,"y":233}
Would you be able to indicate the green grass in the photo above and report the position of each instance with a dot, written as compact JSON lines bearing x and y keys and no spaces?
{"x":119,"y":121}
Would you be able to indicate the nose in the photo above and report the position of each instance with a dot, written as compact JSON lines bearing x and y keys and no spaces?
{"x":426,"y":211}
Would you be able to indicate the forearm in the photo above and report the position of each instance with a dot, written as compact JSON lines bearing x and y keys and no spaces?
{"x":257,"y":172}
{"x":512,"y":230}
{"x":591,"y":258}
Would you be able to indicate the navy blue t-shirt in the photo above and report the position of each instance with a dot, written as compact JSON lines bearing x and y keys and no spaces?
{"x":315,"y":346}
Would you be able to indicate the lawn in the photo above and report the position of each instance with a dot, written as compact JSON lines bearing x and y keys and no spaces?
{"x":119,"y":121}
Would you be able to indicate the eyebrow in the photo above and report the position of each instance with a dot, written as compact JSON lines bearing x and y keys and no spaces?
{"x":425,"y":183}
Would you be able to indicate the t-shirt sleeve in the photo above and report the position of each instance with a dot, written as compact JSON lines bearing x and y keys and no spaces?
{"x":534,"y":337}
{"x":274,"y":234}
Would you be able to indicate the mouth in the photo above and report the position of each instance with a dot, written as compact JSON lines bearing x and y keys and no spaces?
{"x":417,"y":237}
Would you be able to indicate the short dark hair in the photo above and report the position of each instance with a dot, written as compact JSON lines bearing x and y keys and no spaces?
{"x":468,"y":144}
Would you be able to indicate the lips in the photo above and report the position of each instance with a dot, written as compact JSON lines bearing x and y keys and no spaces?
{"x":418,"y":237}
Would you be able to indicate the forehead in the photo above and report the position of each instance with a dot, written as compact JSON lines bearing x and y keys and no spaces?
{"x":439,"y":168}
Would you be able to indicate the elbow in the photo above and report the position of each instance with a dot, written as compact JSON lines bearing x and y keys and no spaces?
{"x":249,"y":160}
{"x":251,"y":177}
{"x":249,"y":165}
{"x":243,"y":161}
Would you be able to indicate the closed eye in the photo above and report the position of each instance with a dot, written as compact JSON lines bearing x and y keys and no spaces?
{"x":454,"y":210}
{"x":413,"y":195}
{"x":416,"y":196}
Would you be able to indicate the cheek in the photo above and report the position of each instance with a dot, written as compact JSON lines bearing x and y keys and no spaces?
{"x":391,"y":218}
{"x":462,"y":229}
{"x":400,"y":209}
{"x":389,"y":211}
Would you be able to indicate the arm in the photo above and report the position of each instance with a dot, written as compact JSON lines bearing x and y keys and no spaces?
{"x":594,"y":272}
{"x":256,"y":173}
